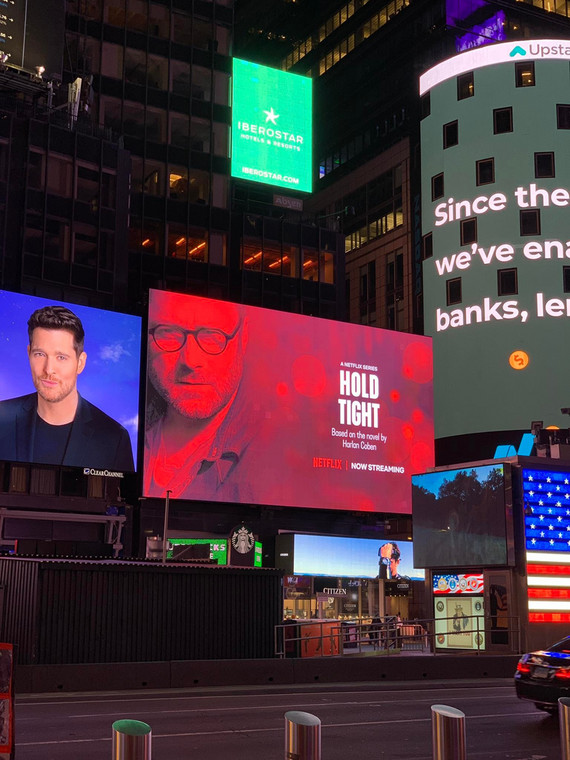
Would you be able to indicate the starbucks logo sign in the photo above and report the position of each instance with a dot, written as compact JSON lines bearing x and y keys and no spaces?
{"x":242,"y":540}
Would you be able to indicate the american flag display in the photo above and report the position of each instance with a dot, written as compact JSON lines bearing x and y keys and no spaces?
{"x":547,"y":538}
{"x":463,"y":583}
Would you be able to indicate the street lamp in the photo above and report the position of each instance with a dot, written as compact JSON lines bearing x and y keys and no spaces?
{"x":165,"y":528}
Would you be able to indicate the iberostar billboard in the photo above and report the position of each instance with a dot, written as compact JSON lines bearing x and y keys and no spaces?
{"x":71,"y":395}
{"x":495,"y":209}
{"x":256,"y":406}
{"x":272,"y":132}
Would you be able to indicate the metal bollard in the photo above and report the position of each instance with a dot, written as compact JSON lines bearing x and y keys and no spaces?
{"x":131,"y":740}
{"x":302,"y":736}
{"x":448,"y":733}
{"x":564,"y":720}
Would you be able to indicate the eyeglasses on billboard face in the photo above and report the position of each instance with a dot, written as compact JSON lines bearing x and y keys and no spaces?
{"x":211,"y":340}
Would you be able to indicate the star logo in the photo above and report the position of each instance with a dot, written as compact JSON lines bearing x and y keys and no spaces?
{"x":271,"y":116}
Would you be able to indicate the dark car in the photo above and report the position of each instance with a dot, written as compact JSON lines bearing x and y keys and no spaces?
{"x":544,"y":676}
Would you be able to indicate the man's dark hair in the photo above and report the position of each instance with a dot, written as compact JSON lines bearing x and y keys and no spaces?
{"x":58,"y":318}
{"x":395,"y":551}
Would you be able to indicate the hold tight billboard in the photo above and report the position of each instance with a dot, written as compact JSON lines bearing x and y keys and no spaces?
{"x":255,"y":406}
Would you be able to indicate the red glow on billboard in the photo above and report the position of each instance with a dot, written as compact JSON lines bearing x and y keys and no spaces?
{"x":548,"y":593}
{"x":256,"y":406}
{"x":549,"y":617}
{"x":534,"y":569}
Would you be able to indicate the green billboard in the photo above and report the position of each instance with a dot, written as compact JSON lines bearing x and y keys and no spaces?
{"x":496,"y":269}
{"x":272,"y":117}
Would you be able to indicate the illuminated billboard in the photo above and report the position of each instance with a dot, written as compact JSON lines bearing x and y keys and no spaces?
{"x":339,"y":556}
{"x":547,"y":537}
{"x":460,"y":517}
{"x":496,"y":270}
{"x":459,"y":622}
{"x":272,"y":132}
{"x":257,"y":406}
{"x":457,"y":583}
{"x":62,"y":403}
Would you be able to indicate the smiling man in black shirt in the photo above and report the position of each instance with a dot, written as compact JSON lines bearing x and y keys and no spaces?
{"x":56,"y":425}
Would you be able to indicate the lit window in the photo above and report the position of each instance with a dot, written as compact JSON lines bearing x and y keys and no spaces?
{"x":465,"y":86}
{"x":524,"y":74}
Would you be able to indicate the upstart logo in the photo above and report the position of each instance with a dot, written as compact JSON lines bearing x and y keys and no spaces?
{"x":536,"y":50}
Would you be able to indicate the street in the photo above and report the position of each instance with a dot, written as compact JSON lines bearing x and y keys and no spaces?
{"x":379,"y":721}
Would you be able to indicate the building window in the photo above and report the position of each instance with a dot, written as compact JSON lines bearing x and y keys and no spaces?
{"x":450,"y":134}
{"x":502,"y":120}
{"x":427,"y":245}
{"x":368,"y":293}
{"x":507,"y":282}
{"x":543,"y":165}
{"x":465,"y":86}
{"x":563,"y":116}
{"x":437,"y":187}
{"x":566,"y":279}
{"x":485,"y":171}
{"x":425,"y":106}
{"x":524,"y":74}
{"x":530,"y":221}
{"x":468,"y":229}
{"x":453,"y":288}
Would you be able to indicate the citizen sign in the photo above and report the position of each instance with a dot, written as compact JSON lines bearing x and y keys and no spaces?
{"x":335,"y":591}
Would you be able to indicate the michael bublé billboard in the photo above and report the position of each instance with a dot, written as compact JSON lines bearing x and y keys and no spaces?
{"x":69,"y":387}
{"x":257,"y":406}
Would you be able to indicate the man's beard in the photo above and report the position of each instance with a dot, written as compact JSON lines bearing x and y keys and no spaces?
{"x":206,"y":401}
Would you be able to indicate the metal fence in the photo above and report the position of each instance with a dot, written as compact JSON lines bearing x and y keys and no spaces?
{"x":322,"y":638}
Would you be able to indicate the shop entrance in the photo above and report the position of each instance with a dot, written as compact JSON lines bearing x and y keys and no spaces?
{"x":498,"y":604}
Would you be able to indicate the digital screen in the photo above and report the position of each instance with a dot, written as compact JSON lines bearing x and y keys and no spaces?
{"x":459,"y":622}
{"x":61,"y":407}
{"x":547,"y":537}
{"x":218,"y":547}
{"x":339,"y":556}
{"x":459,"y":517}
{"x":256,"y":406}
{"x":272,"y":132}
{"x":491,"y":30}
{"x":495,"y":288}
{"x":460,"y":583}
{"x":489,"y":55}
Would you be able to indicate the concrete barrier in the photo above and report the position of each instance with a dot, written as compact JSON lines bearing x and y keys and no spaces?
{"x":205,"y":673}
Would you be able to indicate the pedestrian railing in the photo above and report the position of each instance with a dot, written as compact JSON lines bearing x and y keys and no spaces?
{"x":326,"y":638}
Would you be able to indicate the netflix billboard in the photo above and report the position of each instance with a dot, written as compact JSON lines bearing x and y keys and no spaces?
{"x":256,"y":406}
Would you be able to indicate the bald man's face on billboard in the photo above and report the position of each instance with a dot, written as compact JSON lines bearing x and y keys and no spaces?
{"x":195,"y":353}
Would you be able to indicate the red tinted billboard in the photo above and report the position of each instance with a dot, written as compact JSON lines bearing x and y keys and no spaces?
{"x":257,"y":406}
